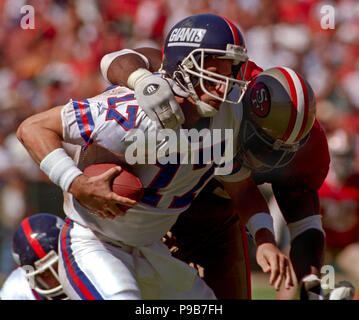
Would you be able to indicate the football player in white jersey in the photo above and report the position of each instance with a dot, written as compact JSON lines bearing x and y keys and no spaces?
{"x":35,"y":248}
{"x":197,"y":239}
{"x":110,"y":254}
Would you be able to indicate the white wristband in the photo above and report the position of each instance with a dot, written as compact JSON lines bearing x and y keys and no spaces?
{"x":60,"y":168}
{"x":108,"y":58}
{"x":300,"y":226}
{"x":260,"y":221}
{"x":136,"y":76}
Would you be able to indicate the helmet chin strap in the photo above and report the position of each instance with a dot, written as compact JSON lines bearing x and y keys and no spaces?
{"x":204,"y":109}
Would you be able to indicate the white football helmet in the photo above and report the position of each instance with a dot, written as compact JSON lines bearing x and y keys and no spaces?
{"x":279,"y":112}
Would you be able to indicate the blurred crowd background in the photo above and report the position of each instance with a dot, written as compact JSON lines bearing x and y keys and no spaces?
{"x":59,"y":59}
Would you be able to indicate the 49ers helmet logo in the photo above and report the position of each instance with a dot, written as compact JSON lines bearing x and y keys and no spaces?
{"x":260,"y":100}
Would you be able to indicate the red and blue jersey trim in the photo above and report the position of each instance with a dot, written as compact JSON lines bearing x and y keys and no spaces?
{"x":36,"y":295}
{"x":110,"y":88}
{"x":84,"y":120}
{"x":77,"y":278}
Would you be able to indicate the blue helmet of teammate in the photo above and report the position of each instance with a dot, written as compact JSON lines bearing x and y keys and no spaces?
{"x":35,"y":248}
{"x":194,"y":38}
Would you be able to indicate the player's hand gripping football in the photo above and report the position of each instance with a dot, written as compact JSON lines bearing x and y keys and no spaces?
{"x":95,"y":194}
{"x":155,"y":95}
{"x":272,"y":260}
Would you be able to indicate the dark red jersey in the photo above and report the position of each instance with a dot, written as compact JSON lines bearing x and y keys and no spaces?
{"x":252,"y":70}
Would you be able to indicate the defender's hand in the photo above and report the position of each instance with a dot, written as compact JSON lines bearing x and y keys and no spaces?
{"x":155,"y":95}
{"x":95,"y":194}
{"x":272,"y":260}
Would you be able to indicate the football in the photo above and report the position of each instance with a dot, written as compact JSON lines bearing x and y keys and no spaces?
{"x":125,"y":184}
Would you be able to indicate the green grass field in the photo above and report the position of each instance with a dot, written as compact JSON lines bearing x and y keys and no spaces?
{"x":261,"y":290}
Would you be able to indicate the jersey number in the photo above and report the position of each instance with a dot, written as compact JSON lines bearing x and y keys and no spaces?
{"x":128,"y":122}
{"x":164,"y":178}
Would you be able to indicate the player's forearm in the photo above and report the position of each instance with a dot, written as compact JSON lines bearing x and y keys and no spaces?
{"x":249,"y":202}
{"x":252,"y":209}
{"x":37,"y":136}
{"x":298,"y":202}
{"x":122,"y":66}
{"x":116,"y":67}
{"x":41,"y":135}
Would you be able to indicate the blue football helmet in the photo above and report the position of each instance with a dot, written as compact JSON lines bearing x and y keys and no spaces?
{"x":35,"y":248}
{"x":187,"y":45}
